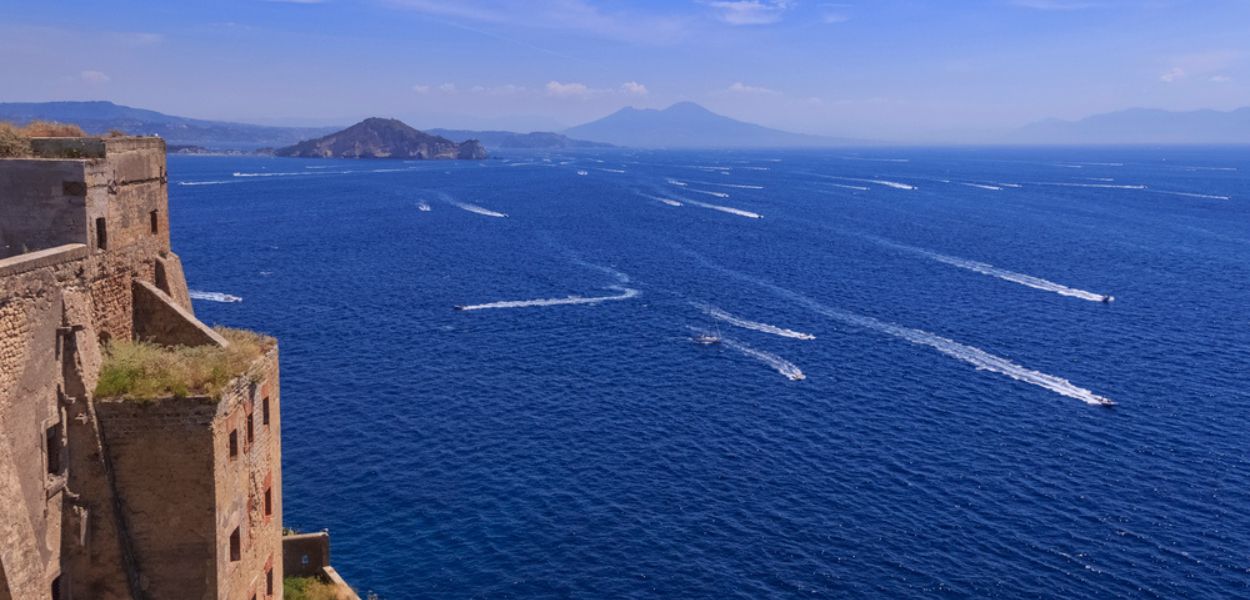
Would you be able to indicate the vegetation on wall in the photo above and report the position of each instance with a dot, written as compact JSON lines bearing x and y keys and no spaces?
{"x":310,"y":588}
{"x":146,"y":371}
{"x":15,"y":141}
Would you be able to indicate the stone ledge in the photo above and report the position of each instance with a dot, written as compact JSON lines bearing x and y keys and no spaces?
{"x":42,"y":258}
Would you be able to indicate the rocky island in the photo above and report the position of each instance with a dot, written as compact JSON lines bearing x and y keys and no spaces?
{"x":384,"y":138}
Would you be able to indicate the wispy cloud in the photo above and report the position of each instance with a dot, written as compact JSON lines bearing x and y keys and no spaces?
{"x":567,"y":90}
{"x":1220,"y":79}
{"x":1055,"y":5}
{"x":94,"y":77}
{"x":634,"y":88}
{"x":565,"y":15}
{"x":738,"y":87}
{"x":1172,"y":75}
{"x":749,"y":12}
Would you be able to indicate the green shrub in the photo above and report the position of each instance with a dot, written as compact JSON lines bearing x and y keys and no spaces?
{"x":308,"y":588}
{"x":12,"y":142}
{"x":145,"y":371}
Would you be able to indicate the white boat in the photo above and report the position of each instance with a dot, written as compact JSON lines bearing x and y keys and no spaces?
{"x":583,"y":172}
{"x":423,"y":206}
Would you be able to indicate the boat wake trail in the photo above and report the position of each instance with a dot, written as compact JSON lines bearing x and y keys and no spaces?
{"x":717,"y":194}
{"x":207,"y":182}
{"x":625,"y":294}
{"x":1105,"y":186}
{"x":717,"y":313}
{"x":1193,"y":195}
{"x":726,"y":209}
{"x":214,"y":296}
{"x":473,"y":208}
{"x":983,"y":186}
{"x":783,"y":366}
{"x":978,"y":358}
{"x":1036,"y":283}
{"x":881,"y":182}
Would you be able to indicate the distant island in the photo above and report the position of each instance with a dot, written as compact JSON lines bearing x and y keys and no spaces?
{"x":384,"y":138}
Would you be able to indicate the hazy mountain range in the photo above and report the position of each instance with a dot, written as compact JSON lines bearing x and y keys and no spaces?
{"x":1142,"y":126}
{"x":682,"y":125}
{"x":384,"y":138}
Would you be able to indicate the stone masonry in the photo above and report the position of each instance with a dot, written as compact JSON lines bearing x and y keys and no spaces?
{"x":105,"y":498}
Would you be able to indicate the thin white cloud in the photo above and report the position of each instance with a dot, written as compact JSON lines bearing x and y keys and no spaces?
{"x":833,"y":18}
{"x":567,"y":90}
{"x":634,"y":88}
{"x":1172,"y":75}
{"x":749,"y":12}
{"x":94,"y":77}
{"x":1054,"y":5}
{"x":738,"y":87}
{"x":447,"y":88}
{"x":421,"y":89}
{"x":565,"y":15}
{"x":1220,"y":79}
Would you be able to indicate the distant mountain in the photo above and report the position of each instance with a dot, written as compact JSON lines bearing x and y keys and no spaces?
{"x":101,"y":117}
{"x":688,"y":125}
{"x":545,"y":140}
{"x":383,"y":138}
{"x":1142,"y":126}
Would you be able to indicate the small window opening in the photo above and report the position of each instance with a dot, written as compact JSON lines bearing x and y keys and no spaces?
{"x":236,"y":546}
{"x":56,"y":588}
{"x":234,"y":443}
{"x":251,"y":430}
{"x":268,"y":501}
{"x":268,"y":582}
{"x":264,"y":411}
{"x":101,"y":234}
{"x":154,"y":222}
{"x":54,"y":449}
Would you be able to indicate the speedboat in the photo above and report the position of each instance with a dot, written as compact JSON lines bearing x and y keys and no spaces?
{"x":458,"y":307}
{"x":706,"y":339}
{"x":1108,"y":299}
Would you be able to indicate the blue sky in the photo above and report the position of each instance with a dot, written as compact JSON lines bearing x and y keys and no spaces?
{"x":898,"y":69}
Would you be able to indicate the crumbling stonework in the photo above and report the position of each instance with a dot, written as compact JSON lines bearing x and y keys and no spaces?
{"x":103,"y":498}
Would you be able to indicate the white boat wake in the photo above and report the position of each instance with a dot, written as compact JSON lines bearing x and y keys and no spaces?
{"x":783,"y":366}
{"x":717,"y":194}
{"x":1193,"y":195}
{"x":978,"y":358}
{"x":1105,"y":186}
{"x":625,"y":294}
{"x":675,"y":182}
{"x":1036,"y":283}
{"x":208,"y":182}
{"x":726,"y":209}
{"x":882,"y":182}
{"x":983,"y":186}
{"x":214,"y":296}
{"x":736,"y":321}
{"x":473,"y":208}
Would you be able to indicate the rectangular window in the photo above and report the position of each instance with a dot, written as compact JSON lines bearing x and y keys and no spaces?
{"x":251,"y":430}
{"x":268,"y":501}
{"x":56,"y":588}
{"x":264,"y":411}
{"x":101,"y":234}
{"x":268,"y":582}
{"x":54,"y":449}
{"x":236,"y":546}
{"x":234,"y":443}
{"x":154,"y":222}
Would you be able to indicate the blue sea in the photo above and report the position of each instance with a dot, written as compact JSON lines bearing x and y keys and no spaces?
{"x":911,"y":395}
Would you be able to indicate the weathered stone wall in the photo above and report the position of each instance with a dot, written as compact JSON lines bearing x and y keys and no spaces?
{"x":43,"y":205}
{"x":242,"y":482}
{"x":161,"y":453}
{"x":66,"y":284}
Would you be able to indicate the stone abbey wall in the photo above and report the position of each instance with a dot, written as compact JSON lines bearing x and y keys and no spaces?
{"x":103,"y":498}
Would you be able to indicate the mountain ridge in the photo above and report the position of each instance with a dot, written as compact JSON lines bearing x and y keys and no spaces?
{"x":378,"y":137}
{"x":689,"y":125}
{"x":1142,"y":126}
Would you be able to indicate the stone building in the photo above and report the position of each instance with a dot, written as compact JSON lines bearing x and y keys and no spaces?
{"x":107,"y":498}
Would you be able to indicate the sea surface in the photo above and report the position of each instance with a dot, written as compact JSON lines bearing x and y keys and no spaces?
{"x":911,"y":396}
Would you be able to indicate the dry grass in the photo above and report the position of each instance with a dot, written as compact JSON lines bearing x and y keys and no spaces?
{"x":15,"y":141}
{"x":144,"y":371}
{"x":309,"y":588}
{"x":52,"y":129}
